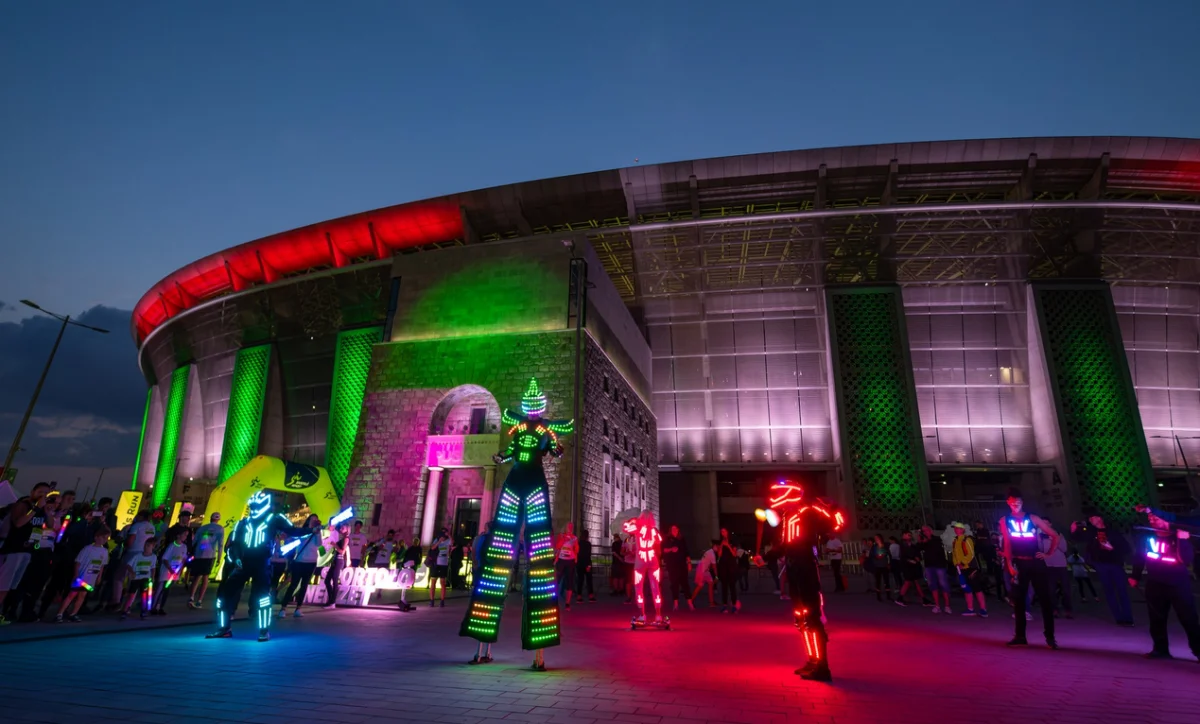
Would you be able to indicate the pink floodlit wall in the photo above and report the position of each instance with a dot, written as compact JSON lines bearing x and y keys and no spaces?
{"x":971,"y":367}
{"x":1159,"y":327}
{"x":741,"y":377}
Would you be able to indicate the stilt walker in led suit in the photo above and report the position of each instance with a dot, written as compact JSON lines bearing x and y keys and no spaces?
{"x":248,"y":559}
{"x":524,"y":504}
{"x":647,"y":565}
{"x":802,"y":526}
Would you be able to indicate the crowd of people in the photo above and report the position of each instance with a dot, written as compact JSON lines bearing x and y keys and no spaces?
{"x":61,"y":560}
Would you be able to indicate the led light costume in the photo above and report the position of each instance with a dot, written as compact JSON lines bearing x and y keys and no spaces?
{"x":248,"y":559}
{"x":1162,"y":559}
{"x":647,"y":564}
{"x":524,"y":503}
{"x":802,"y":525}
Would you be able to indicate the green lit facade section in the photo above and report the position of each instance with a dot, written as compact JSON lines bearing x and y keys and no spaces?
{"x":164,"y":474}
{"x":877,"y":407}
{"x":352,"y":362}
{"x":137,"y":463}
{"x":1102,"y":436}
{"x":243,"y":422}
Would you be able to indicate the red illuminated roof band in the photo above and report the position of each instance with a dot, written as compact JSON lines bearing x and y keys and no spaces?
{"x":374,"y":234}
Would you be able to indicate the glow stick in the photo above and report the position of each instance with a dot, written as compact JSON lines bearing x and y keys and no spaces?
{"x":292,"y":545}
{"x":174,"y":574}
{"x":80,"y":583}
{"x":63,"y":528}
{"x":342,"y":517}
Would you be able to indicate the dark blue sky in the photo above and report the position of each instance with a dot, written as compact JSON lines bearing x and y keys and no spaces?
{"x":136,"y":137}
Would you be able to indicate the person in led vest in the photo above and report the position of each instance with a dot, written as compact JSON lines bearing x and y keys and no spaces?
{"x":1163,"y":557}
{"x":647,"y":565}
{"x":524,"y":505}
{"x":248,"y":559}
{"x":803,"y":525}
{"x":1027,"y":565}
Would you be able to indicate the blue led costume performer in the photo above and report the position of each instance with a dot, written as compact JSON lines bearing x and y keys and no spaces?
{"x":248,"y":559}
{"x":803,"y":524}
{"x":524,"y":503}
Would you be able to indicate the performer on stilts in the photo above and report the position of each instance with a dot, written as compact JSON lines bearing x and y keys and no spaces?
{"x":248,"y":558}
{"x":524,"y":505}
{"x":647,"y":565}
{"x":803,"y":525}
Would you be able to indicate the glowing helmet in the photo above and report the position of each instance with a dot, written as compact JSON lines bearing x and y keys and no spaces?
{"x":260,"y":504}
{"x":533,"y":402}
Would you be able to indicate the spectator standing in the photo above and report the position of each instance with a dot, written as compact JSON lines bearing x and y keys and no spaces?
{"x":933,"y":554}
{"x":970,"y":577}
{"x":356,"y":546}
{"x":22,"y":603}
{"x":457,"y":555}
{"x":339,"y":541}
{"x":1058,"y":573}
{"x":279,"y":567}
{"x":744,"y":569}
{"x":583,"y":568}
{"x":380,"y":553}
{"x":439,"y":553}
{"x":616,"y":572}
{"x":1079,"y":571}
{"x":23,"y":517}
{"x":895,"y":565}
{"x":880,"y":567}
{"x":727,"y":568}
{"x":629,"y":554}
{"x":833,"y":547}
{"x":1106,"y":550}
{"x":677,"y":563}
{"x":303,"y":565}
{"x":910,"y":557}
{"x":566,"y":552}
{"x":208,"y":543}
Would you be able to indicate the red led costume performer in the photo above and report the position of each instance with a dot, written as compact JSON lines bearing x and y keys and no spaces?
{"x":647,"y":565}
{"x":802,"y":526}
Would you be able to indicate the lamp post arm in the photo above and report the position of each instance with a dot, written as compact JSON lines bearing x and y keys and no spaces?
{"x":16,"y":444}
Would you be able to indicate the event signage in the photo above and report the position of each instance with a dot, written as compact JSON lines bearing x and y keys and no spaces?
{"x":127,"y":507}
{"x":461,"y":451}
{"x":357,"y":585}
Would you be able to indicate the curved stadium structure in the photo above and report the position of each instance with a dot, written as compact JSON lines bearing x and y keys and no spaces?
{"x":907,"y":328}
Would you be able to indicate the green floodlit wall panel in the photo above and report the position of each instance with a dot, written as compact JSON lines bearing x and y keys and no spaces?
{"x":1102,"y":435}
{"x":243,"y":422}
{"x":352,"y":362}
{"x":883,"y":458}
{"x":137,"y":463}
{"x":164,"y":475}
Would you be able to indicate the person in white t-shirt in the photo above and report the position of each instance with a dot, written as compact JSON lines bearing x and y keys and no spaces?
{"x":135,"y":539}
{"x":381,"y":551}
{"x":170,"y":568}
{"x":89,"y":566}
{"x":209,"y":542}
{"x":440,"y":552}
{"x":143,"y":572}
{"x":357,"y":545}
{"x":303,"y":565}
{"x":833,"y":547}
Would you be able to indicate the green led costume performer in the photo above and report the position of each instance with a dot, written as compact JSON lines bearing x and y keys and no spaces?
{"x":248,"y":559}
{"x":524,"y":504}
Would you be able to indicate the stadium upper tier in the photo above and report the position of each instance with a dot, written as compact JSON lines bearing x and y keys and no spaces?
{"x":944,"y":212}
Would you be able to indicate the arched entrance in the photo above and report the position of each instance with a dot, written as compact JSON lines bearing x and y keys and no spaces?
{"x":464,"y":433}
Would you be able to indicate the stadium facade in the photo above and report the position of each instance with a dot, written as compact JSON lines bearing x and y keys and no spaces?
{"x":908,"y":328}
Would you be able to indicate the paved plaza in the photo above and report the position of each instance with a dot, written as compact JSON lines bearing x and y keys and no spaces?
{"x":352,"y":665}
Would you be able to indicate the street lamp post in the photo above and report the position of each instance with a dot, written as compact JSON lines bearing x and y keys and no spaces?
{"x":16,"y":443}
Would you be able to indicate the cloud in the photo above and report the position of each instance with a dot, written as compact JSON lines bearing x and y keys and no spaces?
{"x":90,"y":410}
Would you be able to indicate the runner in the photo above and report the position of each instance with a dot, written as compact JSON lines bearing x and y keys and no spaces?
{"x":143,"y":572}
{"x":706,"y":575}
{"x":567,"y":548}
{"x":357,"y":545}
{"x":440,"y":552}
{"x":210,"y":541}
{"x":89,"y":565}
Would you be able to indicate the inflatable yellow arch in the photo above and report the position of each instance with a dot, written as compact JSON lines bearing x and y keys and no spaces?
{"x":268,"y":473}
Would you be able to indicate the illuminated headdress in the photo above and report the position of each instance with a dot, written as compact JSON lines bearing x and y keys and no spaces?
{"x":533,"y":402}
{"x":260,"y":504}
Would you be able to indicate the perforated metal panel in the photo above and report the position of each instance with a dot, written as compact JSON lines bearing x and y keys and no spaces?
{"x":164,"y":475}
{"x":1098,"y":414}
{"x":877,"y":411}
{"x":244,"y":421}
{"x":351,"y":365}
